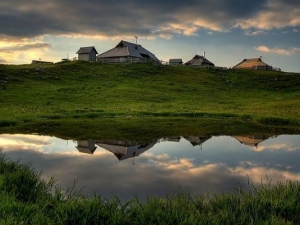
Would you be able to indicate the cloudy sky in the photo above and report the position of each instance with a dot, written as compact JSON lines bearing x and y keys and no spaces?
{"x":227,"y":30}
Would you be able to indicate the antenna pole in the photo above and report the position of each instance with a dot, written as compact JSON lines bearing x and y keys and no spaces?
{"x":136,"y":37}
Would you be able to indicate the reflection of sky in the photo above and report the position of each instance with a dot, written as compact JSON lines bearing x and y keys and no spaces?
{"x":220,"y":164}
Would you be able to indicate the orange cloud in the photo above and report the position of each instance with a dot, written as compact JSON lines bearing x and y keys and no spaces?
{"x":276,"y":15}
{"x":282,"y":51}
{"x":19,"y":51}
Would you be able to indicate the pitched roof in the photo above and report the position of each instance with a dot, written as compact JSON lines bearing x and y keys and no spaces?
{"x":251,"y":140}
{"x":125,"y":49}
{"x":199,"y":61}
{"x":175,"y":60}
{"x":253,"y":62}
{"x":83,"y":50}
{"x":125,"y":152}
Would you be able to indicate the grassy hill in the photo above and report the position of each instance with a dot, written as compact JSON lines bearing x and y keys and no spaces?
{"x":45,"y":97}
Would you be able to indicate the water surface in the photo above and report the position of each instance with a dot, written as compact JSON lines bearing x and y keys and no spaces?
{"x":164,"y":165}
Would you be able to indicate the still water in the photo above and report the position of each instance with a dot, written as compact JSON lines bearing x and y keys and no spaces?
{"x":164,"y":165}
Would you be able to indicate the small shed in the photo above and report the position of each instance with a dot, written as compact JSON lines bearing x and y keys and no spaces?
{"x":199,"y":60}
{"x":175,"y":62}
{"x":87,"y":53}
{"x":253,"y":64}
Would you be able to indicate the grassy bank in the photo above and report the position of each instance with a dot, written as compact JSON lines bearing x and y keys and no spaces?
{"x":26,"y":199}
{"x":81,"y":92}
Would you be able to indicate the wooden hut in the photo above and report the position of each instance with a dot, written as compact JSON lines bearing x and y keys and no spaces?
{"x":253,"y":64}
{"x":199,"y":61}
{"x":87,"y":54}
{"x":126,"y":52}
{"x":175,"y":62}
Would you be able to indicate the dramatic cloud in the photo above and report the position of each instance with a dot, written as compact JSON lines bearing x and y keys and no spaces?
{"x":277,"y":50}
{"x":150,"y":18}
{"x":24,"y":47}
{"x":277,"y":14}
{"x":31,"y":29}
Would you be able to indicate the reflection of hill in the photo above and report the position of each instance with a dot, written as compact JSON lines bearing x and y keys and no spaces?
{"x":251,"y":140}
{"x":194,"y":140}
{"x":127,"y":149}
{"x":123,"y":150}
{"x":87,"y":146}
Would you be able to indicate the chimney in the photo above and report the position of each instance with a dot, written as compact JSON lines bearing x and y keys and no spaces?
{"x":204,"y":54}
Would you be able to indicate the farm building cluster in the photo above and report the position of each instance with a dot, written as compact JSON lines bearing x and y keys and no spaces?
{"x":127,"y":52}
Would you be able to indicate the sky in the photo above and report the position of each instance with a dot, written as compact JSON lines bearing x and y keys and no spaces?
{"x":228,"y":31}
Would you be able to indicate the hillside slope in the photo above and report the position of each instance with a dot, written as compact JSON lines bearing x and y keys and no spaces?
{"x":82,"y":90}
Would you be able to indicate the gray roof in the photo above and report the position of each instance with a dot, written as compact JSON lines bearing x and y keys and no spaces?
{"x":125,"y":152}
{"x":175,"y":60}
{"x":83,"y":50}
{"x":199,"y":61}
{"x":126,"y":49}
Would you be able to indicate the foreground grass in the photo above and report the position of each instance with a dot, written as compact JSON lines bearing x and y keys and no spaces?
{"x":97,"y":94}
{"x":26,"y":199}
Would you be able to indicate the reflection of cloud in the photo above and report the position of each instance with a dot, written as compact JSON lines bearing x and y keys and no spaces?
{"x":23,"y":142}
{"x":259,"y":174}
{"x":42,"y":144}
{"x":162,"y":169}
{"x":277,"y":147}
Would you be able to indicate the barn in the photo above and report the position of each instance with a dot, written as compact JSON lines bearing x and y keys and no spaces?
{"x":253,"y":64}
{"x":199,"y":61}
{"x":126,"y":52}
{"x":87,"y":53}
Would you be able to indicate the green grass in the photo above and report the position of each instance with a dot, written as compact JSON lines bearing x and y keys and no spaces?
{"x":78,"y":100}
{"x":27,"y":199}
{"x":83,"y":92}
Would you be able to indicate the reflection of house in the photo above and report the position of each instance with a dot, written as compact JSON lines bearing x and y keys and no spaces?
{"x":253,"y":64}
{"x":251,"y":140}
{"x":86,"y":146}
{"x":199,"y":61}
{"x":175,"y":62}
{"x":124,"y":151}
{"x":172,"y":139}
{"x":126,"y":52}
{"x":87,"y":53}
{"x":197,"y":140}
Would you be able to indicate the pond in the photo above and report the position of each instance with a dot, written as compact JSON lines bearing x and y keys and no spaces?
{"x":165,"y":165}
